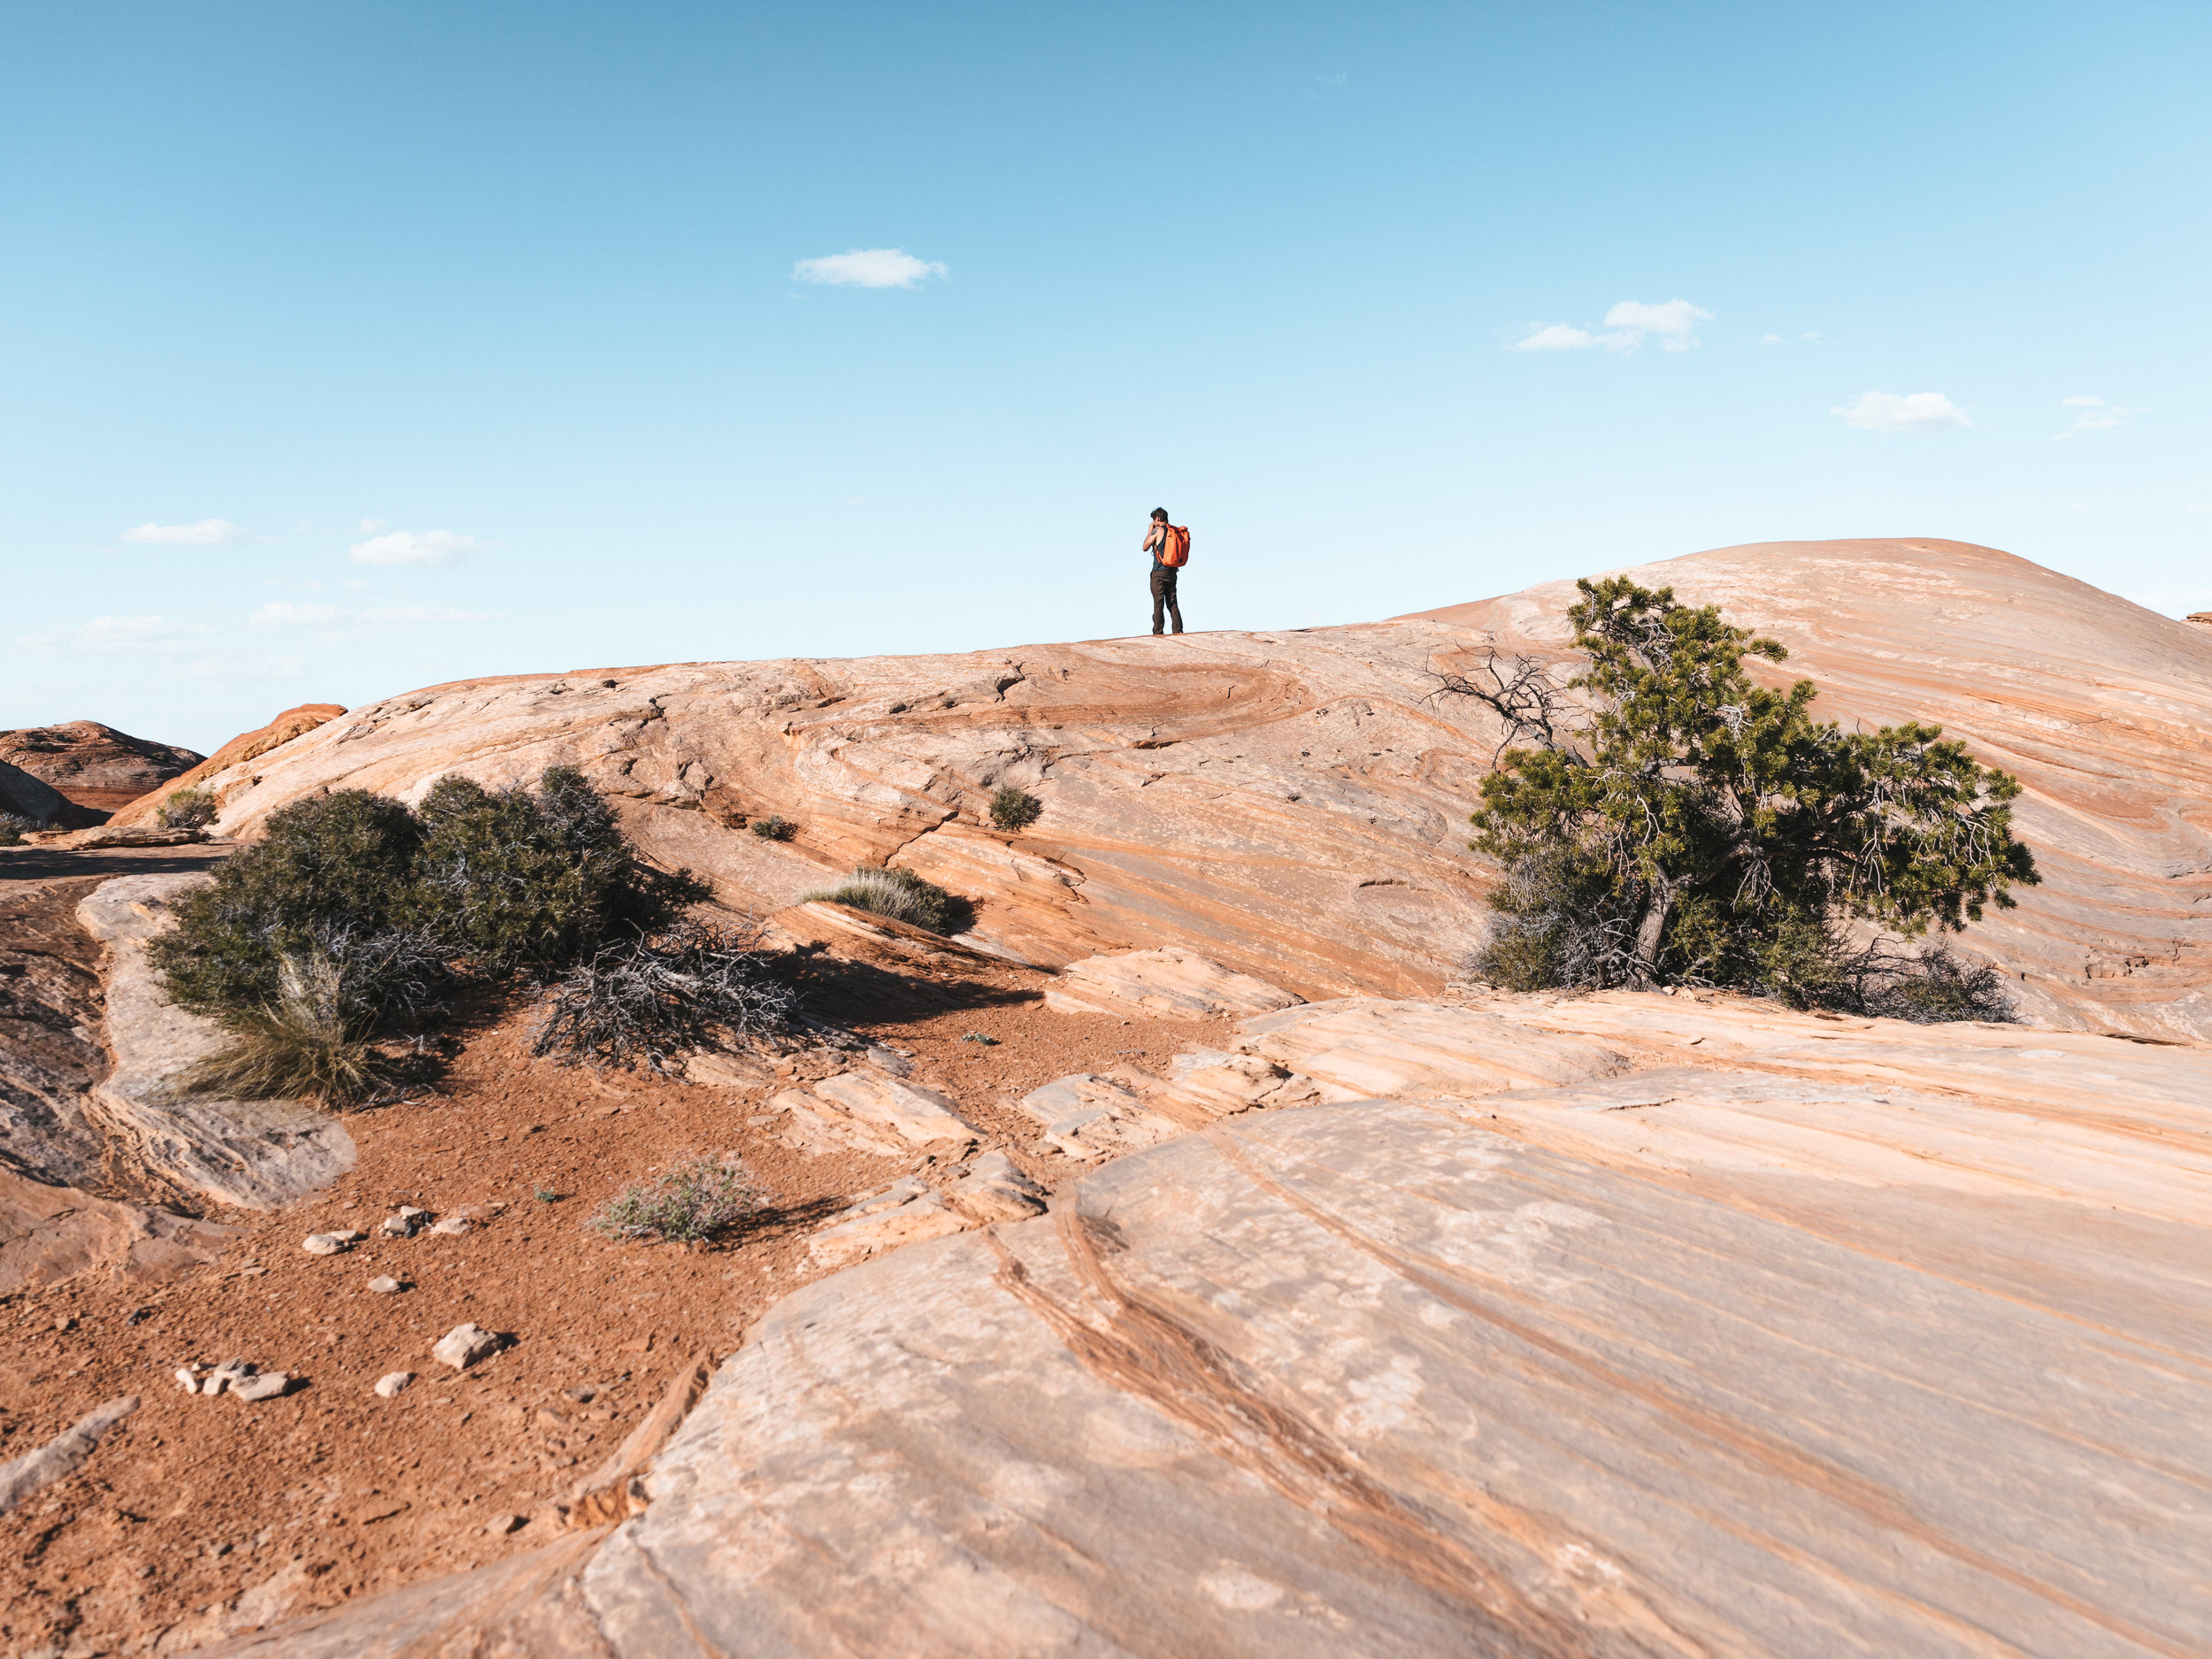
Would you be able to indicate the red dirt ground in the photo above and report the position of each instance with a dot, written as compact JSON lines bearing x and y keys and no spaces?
{"x":199,"y":1518}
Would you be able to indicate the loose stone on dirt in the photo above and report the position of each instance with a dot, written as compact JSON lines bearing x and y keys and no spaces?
{"x":332,"y":1243}
{"x":464,"y":1345}
{"x":393,"y":1384}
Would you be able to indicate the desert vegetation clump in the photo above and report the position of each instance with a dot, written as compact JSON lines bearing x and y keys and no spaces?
{"x":188,"y":810}
{"x":13,"y":827}
{"x":1013,"y":809}
{"x":1664,"y":819}
{"x":902,"y":896}
{"x":773,"y":828}
{"x":356,"y":919}
{"x":688,"y":1203}
{"x":303,"y":1045}
{"x":646,"y":997}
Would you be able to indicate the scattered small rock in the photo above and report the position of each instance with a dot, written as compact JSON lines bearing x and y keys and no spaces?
{"x":185,"y":1380}
{"x":464,"y":1345}
{"x":406,"y":1225}
{"x":262,"y":1386}
{"x":385,"y":1285}
{"x":452,"y":1224}
{"x":393,"y":1384}
{"x":333,"y":1243}
{"x":581,"y":1396}
{"x":500,"y":1525}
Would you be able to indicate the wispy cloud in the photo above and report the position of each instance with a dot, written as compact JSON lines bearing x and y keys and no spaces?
{"x":332,"y":624}
{"x":870,"y":268}
{"x":409,"y":547}
{"x":2096,"y":415}
{"x":207,"y":533}
{"x":1673,"y":323}
{"x":2198,"y":507}
{"x":1886,"y":411}
{"x":118,"y":636}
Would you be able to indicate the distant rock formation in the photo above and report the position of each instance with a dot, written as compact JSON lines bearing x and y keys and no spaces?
{"x":2203,"y":617}
{"x":245,"y":746}
{"x":1293,"y":805}
{"x":94,"y":767}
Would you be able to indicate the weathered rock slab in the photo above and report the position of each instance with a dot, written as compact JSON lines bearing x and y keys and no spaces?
{"x":1164,"y":983}
{"x":254,"y":1154}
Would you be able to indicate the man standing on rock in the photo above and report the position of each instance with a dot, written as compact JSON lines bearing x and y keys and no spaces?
{"x":1170,"y":547}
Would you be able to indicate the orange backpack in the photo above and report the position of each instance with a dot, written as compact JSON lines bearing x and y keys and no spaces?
{"x":1175,"y":548}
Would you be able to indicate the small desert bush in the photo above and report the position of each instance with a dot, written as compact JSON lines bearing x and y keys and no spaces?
{"x":687,"y":1204}
{"x":301,"y":1046}
{"x":187,"y":808}
{"x":774,"y":829}
{"x":902,"y":896}
{"x":1013,"y":809}
{"x":648,"y":998}
{"x":485,"y":883}
{"x":521,"y":882}
{"x":13,"y":827}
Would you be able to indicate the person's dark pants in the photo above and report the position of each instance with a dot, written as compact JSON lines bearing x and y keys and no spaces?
{"x":1163,"y":596}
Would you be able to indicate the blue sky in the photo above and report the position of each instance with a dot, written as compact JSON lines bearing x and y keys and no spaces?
{"x":412,"y":343}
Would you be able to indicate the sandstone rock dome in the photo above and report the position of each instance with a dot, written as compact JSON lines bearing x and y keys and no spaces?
{"x":1294,"y":803}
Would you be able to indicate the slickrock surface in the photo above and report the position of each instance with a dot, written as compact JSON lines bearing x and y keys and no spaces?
{"x":245,"y":747}
{"x":1757,"y":1334}
{"x":253,"y":1154}
{"x":1293,"y":805}
{"x":51,"y":1226}
{"x":94,"y":765}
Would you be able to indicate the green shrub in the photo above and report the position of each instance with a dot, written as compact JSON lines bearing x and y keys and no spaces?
{"x":516,"y":880}
{"x":13,"y":827}
{"x":301,"y":1046}
{"x":1679,"y":822}
{"x":187,"y":808}
{"x":688,"y":1203}
{"x":339,"y":862}
{"x":902,"y":896}
{"x":774,"y":829}
{"x":399,"y":904}
{"x":1013,"y":809}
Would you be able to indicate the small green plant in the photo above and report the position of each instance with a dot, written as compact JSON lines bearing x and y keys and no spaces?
{"x":1013,"y":809}
{"x":774,"y":829}
{"x":902,"y":896}
{"x":13,"y":827}
{"x":688,"y":1203}
{"x":546,"y":1195}
{"x":188,"y":810}
{"x":977,"y":1036}
{"x":300,"y":1047}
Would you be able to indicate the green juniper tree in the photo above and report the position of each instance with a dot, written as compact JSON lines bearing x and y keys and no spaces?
{"x":1679,"y":822}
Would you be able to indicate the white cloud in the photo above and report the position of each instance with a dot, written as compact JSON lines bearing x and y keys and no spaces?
{"x":1886,"y":411}
{"x":1674,"y":322}
{"x":2096,"y":415}
{"x":1769,"y":340}
{"x":2199,"y":506}
{"x":1628,"y":325}
{"x":869,"y":268}
{"x":117,"y":636}
{"x":284,"y":615}
{"x":407,"y":547}
{"x":207,"y":533}
{"x":369,"y":526}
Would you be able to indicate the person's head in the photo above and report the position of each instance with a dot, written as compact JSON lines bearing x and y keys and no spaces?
{"x":1159,"y":514}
